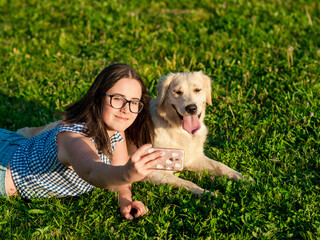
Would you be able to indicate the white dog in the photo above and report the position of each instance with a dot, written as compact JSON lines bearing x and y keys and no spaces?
{"x":178,"y":115}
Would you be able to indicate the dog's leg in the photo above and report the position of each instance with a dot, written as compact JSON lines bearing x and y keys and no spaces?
{"x":216,"y":168}
{"x":168,"y":177}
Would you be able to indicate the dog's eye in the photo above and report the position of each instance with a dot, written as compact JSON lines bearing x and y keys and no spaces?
{"x":197,"y":90}
{"x":178,"y":92}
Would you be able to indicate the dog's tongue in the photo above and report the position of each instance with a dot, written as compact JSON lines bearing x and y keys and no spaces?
{"x":191,"y":124}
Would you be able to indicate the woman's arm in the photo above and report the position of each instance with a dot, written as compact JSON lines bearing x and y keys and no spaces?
{"x":120,"y":157}
{"x":78,"y":152}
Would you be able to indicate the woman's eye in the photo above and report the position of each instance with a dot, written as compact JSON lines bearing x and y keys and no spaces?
{"x":135,"y":103}
{"x":117,"y":98}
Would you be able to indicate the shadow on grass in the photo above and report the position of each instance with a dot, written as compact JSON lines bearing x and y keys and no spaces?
{"x":16,"y":112}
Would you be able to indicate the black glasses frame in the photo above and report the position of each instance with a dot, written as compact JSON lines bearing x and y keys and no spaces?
{"x":125,"y":102}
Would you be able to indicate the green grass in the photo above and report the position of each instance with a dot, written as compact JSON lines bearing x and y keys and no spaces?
{"x":263,"y":58}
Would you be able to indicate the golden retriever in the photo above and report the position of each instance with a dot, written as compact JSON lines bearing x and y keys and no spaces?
{"x":178,"y":115}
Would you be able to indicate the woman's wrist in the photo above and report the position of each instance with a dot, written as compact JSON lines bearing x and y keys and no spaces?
{"x":124,"y":193}
{"x":126,"y":176}
{"x":124,"y":201}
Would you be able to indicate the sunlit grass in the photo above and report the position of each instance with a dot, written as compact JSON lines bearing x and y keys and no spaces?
{"x":263,"y":58}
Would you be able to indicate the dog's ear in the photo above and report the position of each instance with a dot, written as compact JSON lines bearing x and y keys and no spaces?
{"x":163,"y":85}
{"x":207,"y":84}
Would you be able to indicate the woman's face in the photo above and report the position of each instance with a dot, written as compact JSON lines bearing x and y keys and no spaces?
{"x":121,"y":119}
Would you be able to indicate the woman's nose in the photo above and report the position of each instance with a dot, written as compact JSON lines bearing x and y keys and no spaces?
{"x":125,"y":108}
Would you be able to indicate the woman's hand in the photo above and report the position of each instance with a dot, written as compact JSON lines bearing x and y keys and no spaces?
{"x":133,"y":210}
{"x":141,"y":162}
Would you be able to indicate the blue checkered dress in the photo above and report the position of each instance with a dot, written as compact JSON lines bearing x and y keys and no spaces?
{"x":37,"y":172}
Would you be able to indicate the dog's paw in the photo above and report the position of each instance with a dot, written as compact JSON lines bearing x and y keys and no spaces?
{"x":206,"y":192}
{"x":249,"y":178}
{"x":200,"y":192}
{"x":234,"y":176}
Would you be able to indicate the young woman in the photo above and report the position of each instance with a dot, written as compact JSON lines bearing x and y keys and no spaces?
{"x":88,"y":149}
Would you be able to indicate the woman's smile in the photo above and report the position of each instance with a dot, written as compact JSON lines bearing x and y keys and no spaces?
{"x":122,"y":118}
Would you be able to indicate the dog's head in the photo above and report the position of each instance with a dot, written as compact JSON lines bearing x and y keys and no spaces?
{"x":182,"y":98}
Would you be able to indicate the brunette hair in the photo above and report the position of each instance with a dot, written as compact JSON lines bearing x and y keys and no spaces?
{"x":89,"y":110}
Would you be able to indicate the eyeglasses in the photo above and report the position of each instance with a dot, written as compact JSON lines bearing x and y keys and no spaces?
{"x":118,"y":102}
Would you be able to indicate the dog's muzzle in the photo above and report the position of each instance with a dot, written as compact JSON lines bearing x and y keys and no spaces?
{"x":190,"y":123}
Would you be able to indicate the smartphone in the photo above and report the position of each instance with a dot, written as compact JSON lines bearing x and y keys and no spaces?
{"x":173,"y":159}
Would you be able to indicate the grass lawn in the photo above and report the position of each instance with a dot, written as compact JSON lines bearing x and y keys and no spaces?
{"x":263,"y":58}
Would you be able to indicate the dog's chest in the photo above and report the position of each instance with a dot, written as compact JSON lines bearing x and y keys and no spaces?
{"x":173,"y":138}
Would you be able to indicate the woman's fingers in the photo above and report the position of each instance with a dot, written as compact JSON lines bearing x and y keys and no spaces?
{"x":147,"y":156}
{"x":141,"y":151}
{"x":134,"y":209}
{"x":126,"y":212}
{"x":138,"y":209}
{"x":143,"y":162}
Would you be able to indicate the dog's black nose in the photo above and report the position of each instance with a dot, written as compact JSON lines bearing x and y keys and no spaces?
{"x":192,"y":108}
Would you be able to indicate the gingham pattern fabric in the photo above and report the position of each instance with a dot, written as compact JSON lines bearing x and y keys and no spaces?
{"x":37,"y":172}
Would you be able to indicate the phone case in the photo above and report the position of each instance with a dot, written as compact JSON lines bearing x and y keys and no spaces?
{"x":173,"y":159}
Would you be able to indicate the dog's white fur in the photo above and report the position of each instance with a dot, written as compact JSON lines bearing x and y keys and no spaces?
{"x":177,"y":91}
{"x":180,"y":90}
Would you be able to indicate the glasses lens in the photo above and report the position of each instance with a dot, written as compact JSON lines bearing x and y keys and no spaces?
{"x":136,"y":106}
{"x":117,"y":101}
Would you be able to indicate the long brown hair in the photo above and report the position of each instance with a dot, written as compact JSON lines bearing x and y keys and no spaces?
{"x":89,"y":110}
